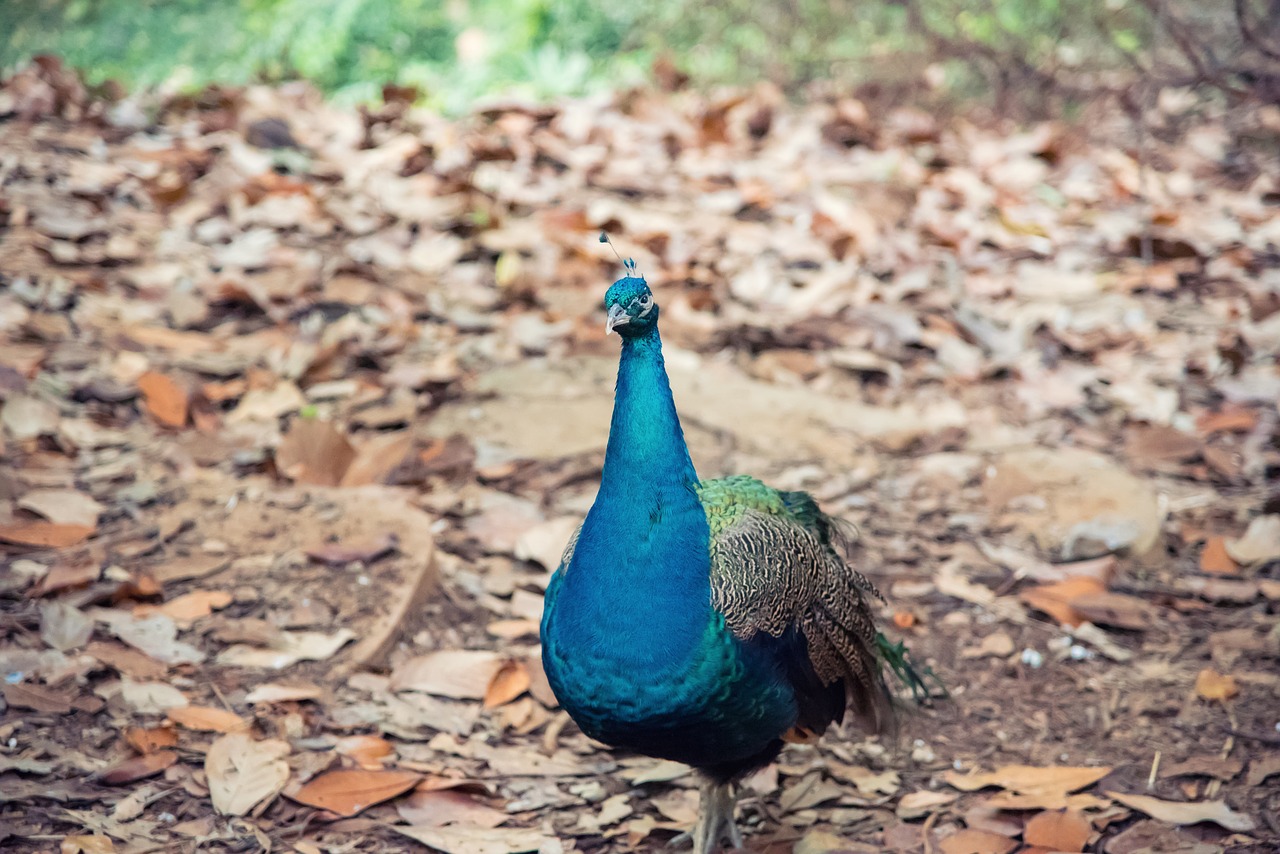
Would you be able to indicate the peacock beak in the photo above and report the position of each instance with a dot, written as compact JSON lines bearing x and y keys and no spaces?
{"x":617,"y":317}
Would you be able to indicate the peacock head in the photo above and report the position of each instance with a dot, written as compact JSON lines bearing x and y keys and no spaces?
{"x":632,"y":311}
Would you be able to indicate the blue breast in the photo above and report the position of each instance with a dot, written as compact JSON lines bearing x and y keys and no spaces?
{"x":652,"y":667}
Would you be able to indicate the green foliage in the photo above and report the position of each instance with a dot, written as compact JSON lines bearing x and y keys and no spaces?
{"x":347,"y":47}
{"x":460,"y":50}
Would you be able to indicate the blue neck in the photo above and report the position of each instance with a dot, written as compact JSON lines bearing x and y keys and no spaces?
{"x":646,"y":452}
{"x":642,"y":563}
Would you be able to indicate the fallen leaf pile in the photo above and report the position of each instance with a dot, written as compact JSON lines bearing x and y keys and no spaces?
{"x":292,"y":439}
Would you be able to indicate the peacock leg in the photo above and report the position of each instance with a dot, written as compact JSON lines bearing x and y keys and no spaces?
{"x":715,"y":818}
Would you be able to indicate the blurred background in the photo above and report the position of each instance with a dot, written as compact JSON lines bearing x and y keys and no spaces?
{"x":1043,"y":57}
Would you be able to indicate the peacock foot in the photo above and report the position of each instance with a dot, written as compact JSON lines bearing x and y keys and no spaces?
{"x":715,"y":818}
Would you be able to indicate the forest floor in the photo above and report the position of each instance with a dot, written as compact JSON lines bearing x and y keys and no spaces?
{"x":300,"y":406}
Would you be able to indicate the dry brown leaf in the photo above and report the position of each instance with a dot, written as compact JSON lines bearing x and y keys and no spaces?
{"x":368,"y":751}
{"x":36,"y":698}
{"x":1260,"y":543}
{"x":349,"y":792}
{"x":287,"y":648}
{"x":1208,"y":765}
{"x":869,"y":783}
{"x":1262,"y":768}
{"x":1212,"y":685}
{"x":460,"y":674}
{"x":267,"y":404}
{"x":1114,"y":609}
{"x":1045,"y":801}
{"x":44,"y":535}
{"x":151,"y":740}
{"x":1050,"y":784}
{"x":63,"y":506}
{"x":63,"y":626}
{"x":313,"y":451}
{"x":439,"y":807}
{"x":1229,"y":420}
{"x":511,"y":680}
{"x":139,"y":767}
{"x":916,"y":804}
{"x":272,"y":692}
{"x":207,"y":719}
{"x":971,"y":841}
{"x":377,"y":458}
{"x":1214,"y":558}
{"x":64,"y":576}
{"x":82,"y":844}
{"x":1060,"y":830}
{"x":156,"y":635}
{"x":242,"y":772}
{"x":165,"y":400}
{"x":1155,"y":443}
{"x":1182,"y":812}
{"x":470,"y":839}
{"x":189,"y":606}
{"x":1055,"y":599}
{"x":345,"y":552}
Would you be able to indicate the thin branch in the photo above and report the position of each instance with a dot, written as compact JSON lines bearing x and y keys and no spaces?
{"x":1250,"y":35}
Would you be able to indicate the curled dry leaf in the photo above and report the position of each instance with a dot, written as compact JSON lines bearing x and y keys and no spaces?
{"x":511,"y":680}
{"x":1060,"y":830}
{"x":349,"y":792}
{"x":1178,"y":812}
{"x":1260,"y":543}
{"x":1212,"y":685}
{"x":139,"y":767}
{"x":207,"y":719}
{"x":242,"y":772}
{"x":165,"y":400}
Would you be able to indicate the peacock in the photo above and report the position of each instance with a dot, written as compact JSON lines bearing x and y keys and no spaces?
{"x":704,"y":621}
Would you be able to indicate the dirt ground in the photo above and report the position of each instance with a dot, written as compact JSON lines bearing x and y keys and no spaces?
{"x":301,"y":404}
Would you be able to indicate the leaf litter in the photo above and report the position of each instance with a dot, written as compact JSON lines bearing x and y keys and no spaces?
{"x":281,"y":507}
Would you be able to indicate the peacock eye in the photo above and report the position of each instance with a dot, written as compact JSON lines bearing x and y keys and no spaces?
{"x":645,"y":299}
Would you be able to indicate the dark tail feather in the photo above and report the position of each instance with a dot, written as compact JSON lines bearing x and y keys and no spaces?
{"x":899,"y":661}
